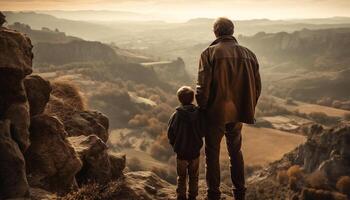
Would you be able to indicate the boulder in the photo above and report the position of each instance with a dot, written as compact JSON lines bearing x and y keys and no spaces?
{"x":88,"y":123}
{"x":18,"y":114}
{"x":13,"y":181}
{"x":314,"y":194}
{"x":2,"y":19}
{"x":143,"y":185}
{"x":15,"y":51}
{"x":38,"y":93}
{"x":51,"y":161}
{"x":40,"y":194}
{"x":118,"y":163}
{"x":334,"y":168}
{"x":98,"y":165}
{"x":14,"y":106}
{"x":323,"y":144}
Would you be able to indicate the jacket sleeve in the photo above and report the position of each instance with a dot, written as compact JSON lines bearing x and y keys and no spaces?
{"x":204,"y":80}
{"x":171,"y":129}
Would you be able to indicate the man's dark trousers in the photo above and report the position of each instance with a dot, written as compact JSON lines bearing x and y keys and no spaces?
{"x":232,"y":132}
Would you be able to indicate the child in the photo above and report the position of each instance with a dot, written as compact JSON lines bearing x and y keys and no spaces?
{"x":186,"y":140}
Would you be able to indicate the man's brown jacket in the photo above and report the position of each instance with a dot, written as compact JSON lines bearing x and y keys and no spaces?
{"x":229,"y":83}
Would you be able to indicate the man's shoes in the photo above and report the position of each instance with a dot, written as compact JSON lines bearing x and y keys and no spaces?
{"x":239,"y":195}
{"x":181,"y":198}
{"x":191,"y":198}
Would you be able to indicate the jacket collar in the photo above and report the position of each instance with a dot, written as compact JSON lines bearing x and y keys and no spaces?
{"x":224,"y":38}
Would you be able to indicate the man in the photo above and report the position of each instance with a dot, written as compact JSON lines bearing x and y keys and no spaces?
{"x":228,"y":89}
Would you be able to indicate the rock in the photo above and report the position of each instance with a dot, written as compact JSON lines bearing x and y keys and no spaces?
{"x":88,"y":123}
{"x":326,"y":150}
{"x":98,"y":165}
{"x":15,"y":51}
{"x":334,"y":168}
{"x":13,"y":181}
{"x":38,"y":93}
{"x":40,"y":194}
{"x":14,"y":106}
{"x":2,"y":19}
{"x":18,"y":113}
{"x":320,"y":146}
{"x":313,"y":194}
{"x":142,"y":185}
{"x":118,"y":163}
{"x":51,"y":161}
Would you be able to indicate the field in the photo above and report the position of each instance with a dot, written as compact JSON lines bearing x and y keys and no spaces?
{"x":309,"y":108}
{"x":263,"y":145}
{"x":260,"y":147}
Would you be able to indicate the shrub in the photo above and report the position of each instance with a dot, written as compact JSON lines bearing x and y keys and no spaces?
{"x":293,"y":183}
{"x":268,"y":107}
{"x":69,"y":93}
{"x":322,"y":118}
{"x":290,"y":101}
{"x":295,"y":171}
{"x":169,"y":174}
{"x":347,"y":116}
{"x":161,"y":149}
{"x":343,"y":185}
{"x":317,"y":180}
{"x":336,"y":104}
{"x":154,"y":127}
{"x":161,"y":172}
{"x":163,"y":116}
{"x":313,"y":194}
{"x":134,"y":164}
{"x":326,"y":101}
{"x":138,"y":120}
{"x":282,"y":177}
{"x":65,"y":99}
{"x":250,"y":169}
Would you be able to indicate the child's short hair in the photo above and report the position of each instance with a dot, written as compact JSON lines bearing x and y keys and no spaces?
{"x":185,"y":94}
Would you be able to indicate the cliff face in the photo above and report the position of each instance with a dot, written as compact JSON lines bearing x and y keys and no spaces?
{"x":170,"y":70}
{"x":74,"y":51}
{"x":16,"y":54}
{"x":319,"y":49}
{"x":48,"y":143}
{"x":315,"y":170}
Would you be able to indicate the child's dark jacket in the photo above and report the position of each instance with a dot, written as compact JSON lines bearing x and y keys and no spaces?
{"x":184,"y":132}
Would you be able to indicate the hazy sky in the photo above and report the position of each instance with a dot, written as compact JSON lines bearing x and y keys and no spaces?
{"x":184,"y":9}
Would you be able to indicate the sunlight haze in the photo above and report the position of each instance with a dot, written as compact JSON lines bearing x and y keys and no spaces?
{"x":181,"y":10}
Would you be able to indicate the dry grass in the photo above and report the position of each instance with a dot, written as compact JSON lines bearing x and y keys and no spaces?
{"x":282,"y":177}
{"x":65,"y":99}
{"x":317,"y":180}
{"x":313,"y":194}
{"x":295,"y":171}
{"x":264,"y":145}
{"x":69,"y":93}
{"x":309,"y":108}
{"x":343,"y":185}
{"x":135,"y":164}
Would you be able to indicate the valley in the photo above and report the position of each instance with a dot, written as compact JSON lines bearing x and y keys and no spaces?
{"x":131,"y":71}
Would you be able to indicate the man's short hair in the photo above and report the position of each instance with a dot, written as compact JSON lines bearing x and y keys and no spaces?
{"x":185,"y":94}
{"x":223,"y":26}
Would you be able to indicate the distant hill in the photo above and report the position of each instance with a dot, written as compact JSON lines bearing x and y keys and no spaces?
{"x":43,"y":35}
{"x":116,"y":26}
{"x":97,"y":15}
{"x":55,"y":51}
{"x":80,"y":29}
{"x":325,"y":49}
